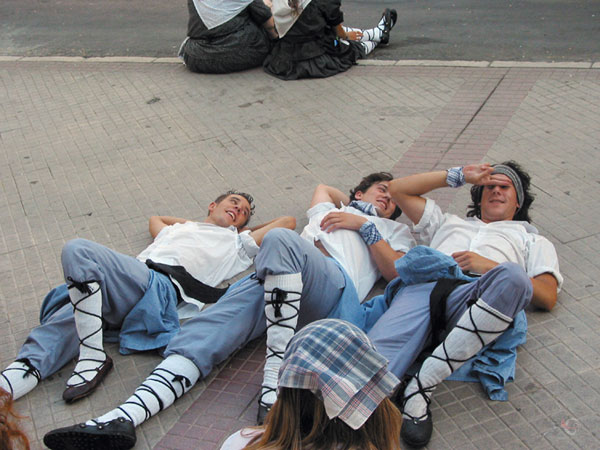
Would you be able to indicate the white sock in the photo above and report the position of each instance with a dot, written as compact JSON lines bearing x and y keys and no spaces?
{"x":281,"y":326}
{"x":477,"y":327}
{"x":168,"y":381}
{"x":368,"y":46}
{"x":19,"y":378}
{"x":88,"y":320}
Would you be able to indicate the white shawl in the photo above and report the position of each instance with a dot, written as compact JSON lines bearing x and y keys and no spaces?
{"x":216,"y":12}
{"x":284,"y":16}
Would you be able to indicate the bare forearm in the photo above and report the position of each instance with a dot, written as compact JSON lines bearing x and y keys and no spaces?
{"x":324,"y":193}
{"x":545,"y":291}
{"x":259,"y":232}
{"x":340,"y":32}
{"x":418,"y":184}
{"x":385,"y":257}
{"x":157,"y":223}
{"x":281,"y":222}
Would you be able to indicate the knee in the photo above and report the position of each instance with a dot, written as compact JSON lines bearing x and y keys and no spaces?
{"x":77,"y":255}
{"x":278,"y":237}
{"x":75,"y":249}
{"x":515,"y":286}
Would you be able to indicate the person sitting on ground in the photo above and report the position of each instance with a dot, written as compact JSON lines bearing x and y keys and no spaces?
{"x":227,"y":35}
{"x":516,"y":266}
{"x":313,"y":43}
{"x":110,"y":290}
{"x":333,"y":388}
{"x":349,"y":243}
{"x":11,"y":436}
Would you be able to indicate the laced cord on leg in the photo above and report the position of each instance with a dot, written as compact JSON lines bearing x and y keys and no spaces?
{"x":13,"y":372}
{"x":278,"y":298}
{"x":425,"y":393}
{"x":78,"y":377}
{"x":282,"y":307}
{"x":477,"y":332}
{"x":479,"y":325}
{"x":163,"y":379}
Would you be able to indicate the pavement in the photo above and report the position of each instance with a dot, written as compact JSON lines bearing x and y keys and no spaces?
{"x":93,"y":147}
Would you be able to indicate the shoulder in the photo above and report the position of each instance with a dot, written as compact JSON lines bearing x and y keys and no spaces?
{"x":240,"y":439}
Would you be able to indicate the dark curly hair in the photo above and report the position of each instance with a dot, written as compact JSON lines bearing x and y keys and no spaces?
{"x":369,"y":181}
{"x":474,"y":209}
{"x":248,"y":197}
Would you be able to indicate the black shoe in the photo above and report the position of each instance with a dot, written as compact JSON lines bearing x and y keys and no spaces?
{"x":263,"y":410}
{"x":390,"y":16}
{"x":85,"y":388}
{"x":417,"y":432}
{"x":118,"y":434}
{"x":263,"y":407}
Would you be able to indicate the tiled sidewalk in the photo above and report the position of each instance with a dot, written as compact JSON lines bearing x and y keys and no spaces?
{"x":92,"y":150}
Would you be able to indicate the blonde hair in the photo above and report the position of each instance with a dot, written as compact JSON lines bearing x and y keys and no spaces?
{"x":298,"y":421}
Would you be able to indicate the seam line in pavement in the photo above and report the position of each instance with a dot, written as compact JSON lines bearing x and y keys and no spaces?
{"x":461,"y":132}
{"x":367,"y":62}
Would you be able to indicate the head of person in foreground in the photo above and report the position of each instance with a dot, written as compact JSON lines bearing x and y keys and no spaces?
{"x":11,"y":436}
{"x":334,"y":391}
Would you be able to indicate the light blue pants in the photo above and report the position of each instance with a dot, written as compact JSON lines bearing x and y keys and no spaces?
{"x":123,"y":281}
{"x":404,"y":330}
{"x":239,"y":316}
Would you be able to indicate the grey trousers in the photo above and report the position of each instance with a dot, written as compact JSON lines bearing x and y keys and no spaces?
{"x":404,"y":330}
{"x":239,"y":315}
{"x":123,"y":281}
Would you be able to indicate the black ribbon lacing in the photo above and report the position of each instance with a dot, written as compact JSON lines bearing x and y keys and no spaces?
{"x":428,"y":390}
{"x":157,"y":377}
{"x":278,"y":298}
{"x":84,"y":288}
{"x":30,"y":370}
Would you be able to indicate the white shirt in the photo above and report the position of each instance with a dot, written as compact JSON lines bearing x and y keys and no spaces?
{"x":238,"y":441}
{"x":210,"y":253}
{"x":502,"y":241}
{"x":348,"y":247}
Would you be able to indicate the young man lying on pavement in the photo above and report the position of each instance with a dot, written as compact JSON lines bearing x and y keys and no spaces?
{"x":516,"y":266}
{"x":109,"y":290}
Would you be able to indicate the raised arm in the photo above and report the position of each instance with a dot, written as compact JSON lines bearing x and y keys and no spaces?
{"x":324,"y":193}
{"x":258,"y":232}
{"x":157,"y":223}
{"x":407,"y":191}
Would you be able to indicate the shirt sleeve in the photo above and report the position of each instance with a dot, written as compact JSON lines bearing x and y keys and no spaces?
{"x":401,"y":239}
{"x":249,"y":246}
{"x":332,"y":12}
{"x":319,"y":208}
{"x":431,"y":221}
{"x":542,"y":258}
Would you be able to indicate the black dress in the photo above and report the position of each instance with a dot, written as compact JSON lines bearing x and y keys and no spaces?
{"x":239,"y":44}
{"x":310,"y":48}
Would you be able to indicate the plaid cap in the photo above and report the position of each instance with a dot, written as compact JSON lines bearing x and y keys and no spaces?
{"x":337,"y":362}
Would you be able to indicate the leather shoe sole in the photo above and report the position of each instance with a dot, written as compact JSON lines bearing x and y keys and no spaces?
{"x":417,"y":433}
{"x":78,"y":391}
{"x":118,"y":434}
